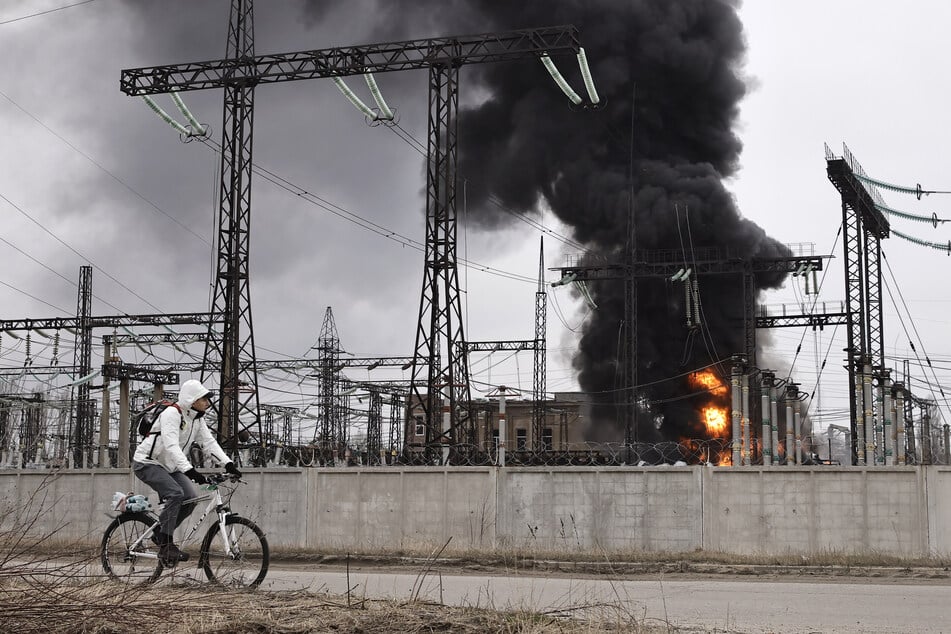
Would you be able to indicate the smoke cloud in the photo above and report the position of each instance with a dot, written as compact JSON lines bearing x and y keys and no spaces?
{"x":669,"y":73}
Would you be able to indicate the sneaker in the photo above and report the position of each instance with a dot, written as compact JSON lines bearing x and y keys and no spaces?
{"x":170,"y":555}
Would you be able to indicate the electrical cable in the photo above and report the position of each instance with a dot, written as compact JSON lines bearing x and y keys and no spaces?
{"x":914,"y":328}
{"x":924,"y":243}
{"x":70,"y":247}
{"x":416,"y":145}
{"x":34,"y":297}
{"x":933,"y":219}
{"x":364,"y":223}
{"x":72,"y":283}
{"x":561,"y":317}
{"x":825,"y":271}
{"x":38,"y":13}
{"x":706,"y":335}
{"x":114,"y":177}
{"x":901,"y":189}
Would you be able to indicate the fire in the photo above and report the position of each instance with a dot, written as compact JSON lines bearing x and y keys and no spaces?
{"x":715,"y":420}
{"x":726,"y":460}
{"x":706,"y":379}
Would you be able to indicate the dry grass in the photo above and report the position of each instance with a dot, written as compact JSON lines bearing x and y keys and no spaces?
{"x":108,"y":608}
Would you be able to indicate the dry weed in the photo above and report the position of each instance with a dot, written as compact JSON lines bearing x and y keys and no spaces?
{"x":108,"y":608}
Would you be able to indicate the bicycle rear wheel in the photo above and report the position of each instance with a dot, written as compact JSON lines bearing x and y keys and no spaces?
{"x":247,"y":562}
{"x":123,"y":562}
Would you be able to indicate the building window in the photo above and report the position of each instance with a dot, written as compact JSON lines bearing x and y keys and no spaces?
{"x":521,"y":439}
{"x":546,"y":439}
{"x":495,"y":439}
{"x":420,"y":427}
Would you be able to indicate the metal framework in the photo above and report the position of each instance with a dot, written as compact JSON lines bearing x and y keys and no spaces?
{"x":814,"y":320}
{"x":153,"y":338}
{"x":440,"y":325}
{"x":629,"y":337}
{"x":82,"y":359}
{"x":539,"y":376}
{"x":749,"y":312}
{"x":665,"y":264}
{"x":81,"y":431}
{"x":500,"y":346}
{"x":234,"y":352}
{"x":282,"y":439}
{"x":374,"y":427}
{"x":863,"y":228}
{"x":440,"y":316}
{"x":350,"y":60}
{"x":133,"y":372}
{"x":73,"y":324}
{"x":331,"y":433}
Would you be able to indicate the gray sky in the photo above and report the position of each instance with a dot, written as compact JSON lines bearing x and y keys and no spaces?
{"x":820,"y":71}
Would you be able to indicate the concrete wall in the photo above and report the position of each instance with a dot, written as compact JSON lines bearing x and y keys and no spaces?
{"x":755,"y":510}
{"x":902,"y":511}
{"x":593,"y":509}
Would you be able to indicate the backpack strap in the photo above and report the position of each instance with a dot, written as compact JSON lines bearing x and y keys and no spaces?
{"x":159,"y":433}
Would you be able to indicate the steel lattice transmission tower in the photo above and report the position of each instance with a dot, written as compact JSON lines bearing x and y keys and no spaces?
{"x":238,"y":408}
{"x":332,"y":433}
{"x":864,"y":226}
{"x":82,"y":360}
{"x":439,"y":328}
{"x":439,"y":332}
{"x":539,"y":379}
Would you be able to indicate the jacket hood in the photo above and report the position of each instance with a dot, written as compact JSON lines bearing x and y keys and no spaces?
{"x":191,"y":391}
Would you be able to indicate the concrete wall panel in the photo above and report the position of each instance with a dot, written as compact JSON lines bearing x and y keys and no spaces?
{"x":600,"y":509}
{"x":939,"y":510}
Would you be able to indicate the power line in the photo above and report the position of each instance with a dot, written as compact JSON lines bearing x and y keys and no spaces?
{"x":181,"y":225}
{"x":365,"y":223}
{"x":417,"y":145}
{"x":914,"y":328}
{"x":34,"y":297}
{"x":815,"y":301}
{"x":38,"y":13}
{"x":54,"y":272}
{"x":68,"y":246}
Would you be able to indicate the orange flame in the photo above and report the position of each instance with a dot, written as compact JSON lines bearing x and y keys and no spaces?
{"x":726,"y":460}
{"x":715,"y":420}
{"x":706,"y":379}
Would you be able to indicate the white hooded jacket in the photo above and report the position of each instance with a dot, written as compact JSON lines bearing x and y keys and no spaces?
{"x":179,"y":431}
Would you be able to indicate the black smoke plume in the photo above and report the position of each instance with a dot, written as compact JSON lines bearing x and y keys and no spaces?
{"x":679,"y":62}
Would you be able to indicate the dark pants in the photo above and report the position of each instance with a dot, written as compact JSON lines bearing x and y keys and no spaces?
{"x":173,"y":488}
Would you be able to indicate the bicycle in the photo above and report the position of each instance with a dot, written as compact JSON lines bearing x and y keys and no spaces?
{"x":234,"y":551}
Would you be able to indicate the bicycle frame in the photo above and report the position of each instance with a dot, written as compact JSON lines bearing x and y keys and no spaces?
{"x":214,"y":502}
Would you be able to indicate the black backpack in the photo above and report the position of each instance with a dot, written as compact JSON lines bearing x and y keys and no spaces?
{"x":145,"y":419}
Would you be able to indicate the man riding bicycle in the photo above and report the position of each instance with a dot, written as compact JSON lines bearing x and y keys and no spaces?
{"x":161,"y":462}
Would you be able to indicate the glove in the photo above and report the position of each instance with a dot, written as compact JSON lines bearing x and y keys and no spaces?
{"x":232,"y":468}
{"x":196,"y":477}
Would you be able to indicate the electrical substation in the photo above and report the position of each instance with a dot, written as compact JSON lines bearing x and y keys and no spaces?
{"x":632,"y":445}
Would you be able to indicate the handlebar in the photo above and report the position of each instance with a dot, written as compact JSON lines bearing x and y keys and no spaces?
{"x":218,"y":478}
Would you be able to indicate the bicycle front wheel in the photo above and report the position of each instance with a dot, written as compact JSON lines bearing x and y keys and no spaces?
{"x":125,"y":555}
{"x":242,"y":561}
